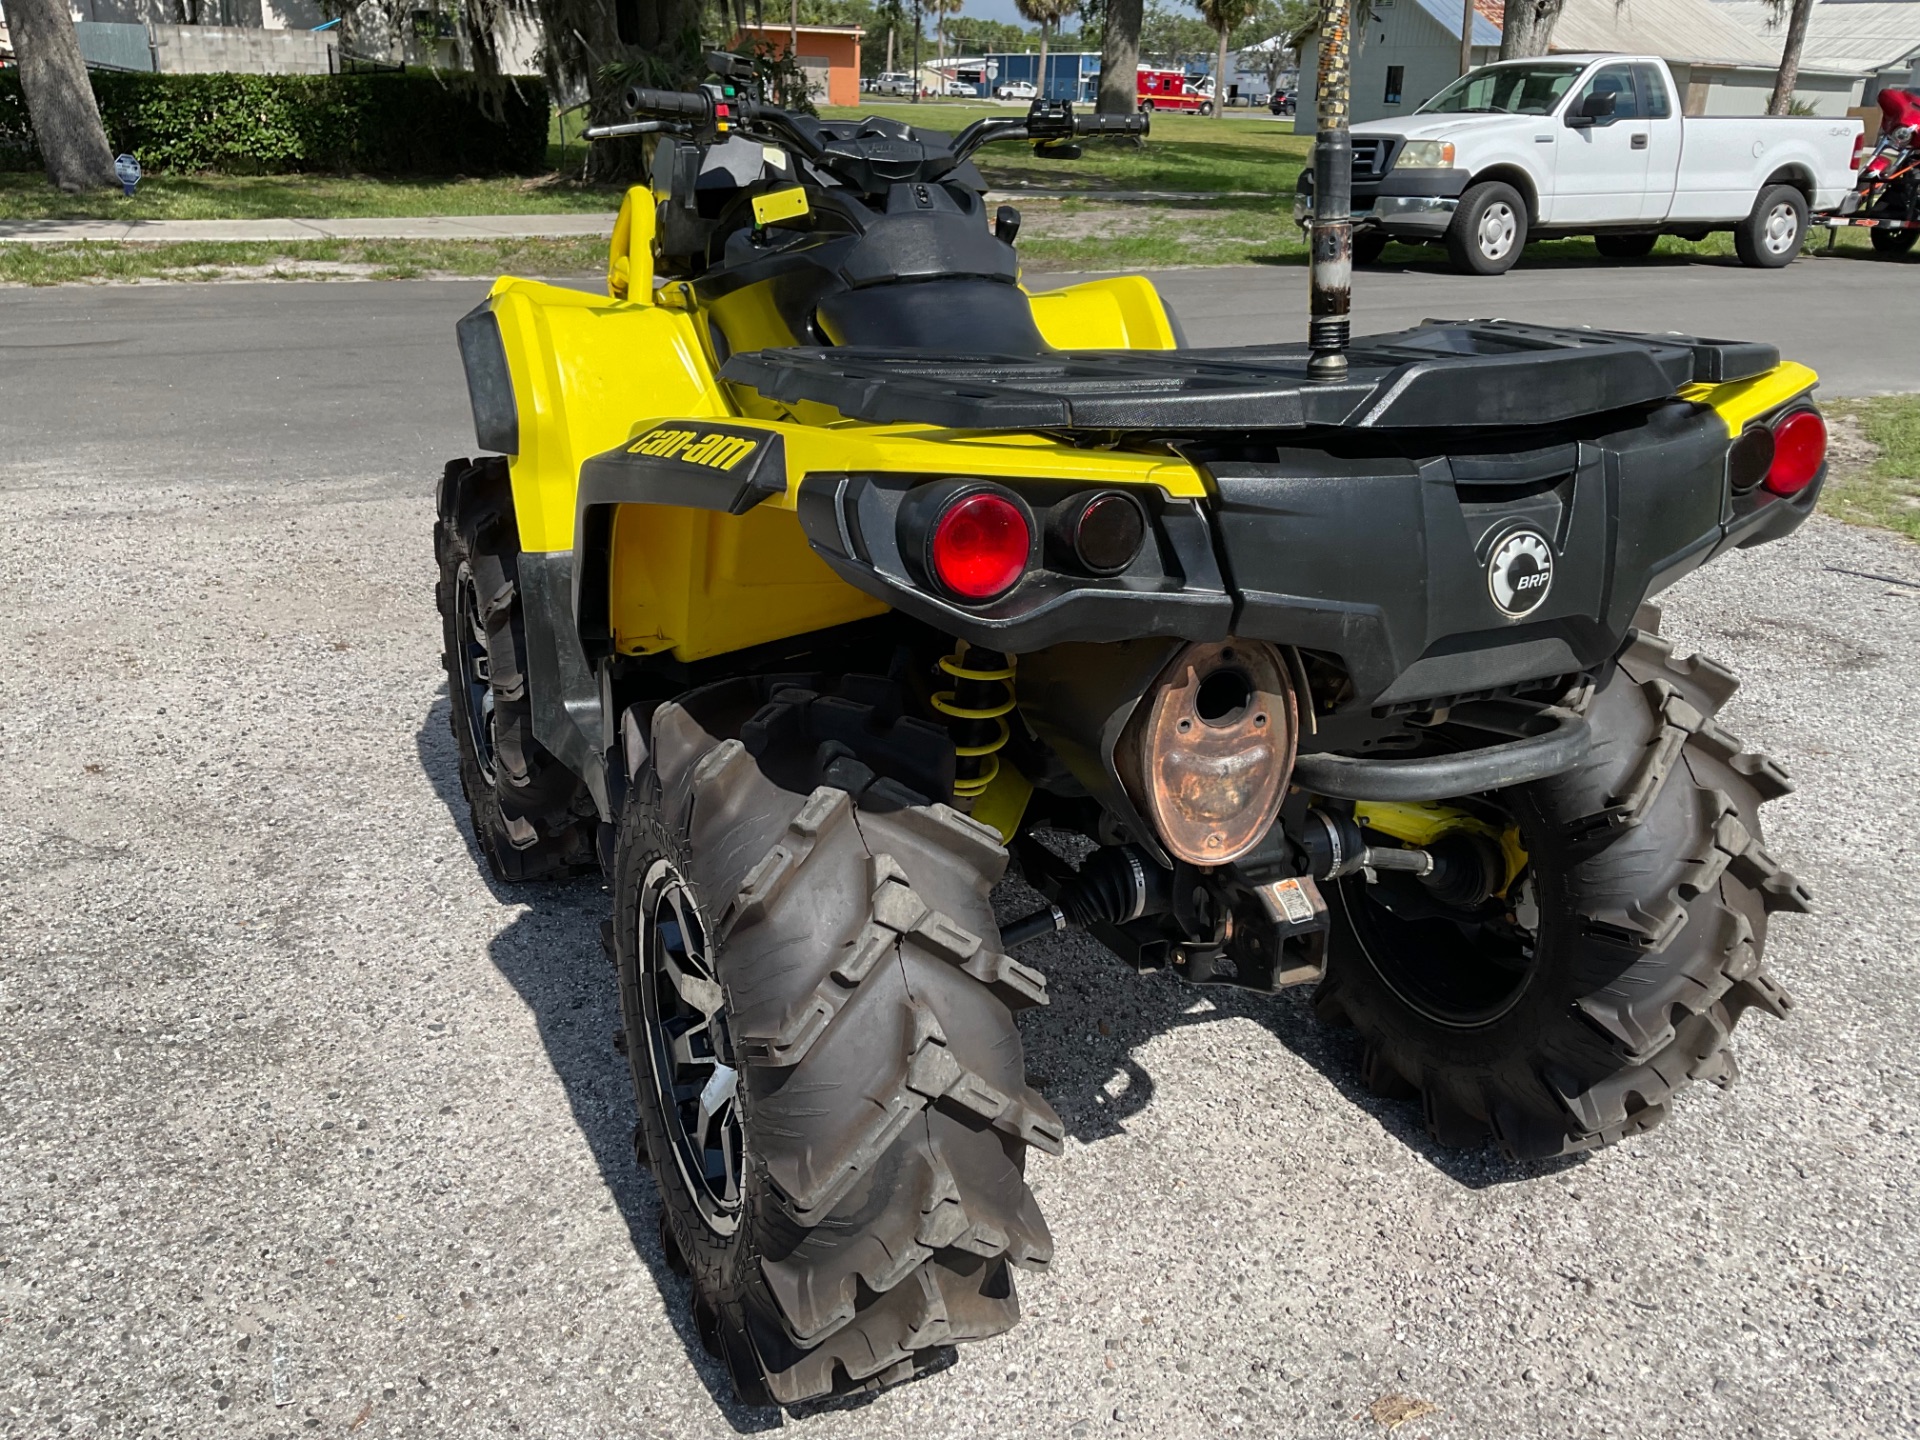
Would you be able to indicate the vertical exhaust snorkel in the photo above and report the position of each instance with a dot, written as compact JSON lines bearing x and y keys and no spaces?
{"x":1331,"y":237}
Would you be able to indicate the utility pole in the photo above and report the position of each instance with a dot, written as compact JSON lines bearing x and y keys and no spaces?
{"x":1466,"y":36}
{"x":916,"y":52}
{"x":1330,"y":267}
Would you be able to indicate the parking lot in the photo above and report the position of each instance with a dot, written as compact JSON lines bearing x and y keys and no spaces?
{"x":307,"y":1127}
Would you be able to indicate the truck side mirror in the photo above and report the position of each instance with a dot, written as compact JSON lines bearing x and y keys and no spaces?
{"x":1597,"y":106}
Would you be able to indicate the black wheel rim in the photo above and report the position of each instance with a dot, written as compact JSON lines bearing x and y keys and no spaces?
{"x":1457,"y":969}
{"x":470,"y":654}
{"x":681,"y":1008}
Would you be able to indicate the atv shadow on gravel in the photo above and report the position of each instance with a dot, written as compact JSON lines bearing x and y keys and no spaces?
{"x":551,"y":954}
{"x":1083,"y":1043}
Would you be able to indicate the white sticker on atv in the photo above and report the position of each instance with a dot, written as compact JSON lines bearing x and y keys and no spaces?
{"x":1520,"y":573}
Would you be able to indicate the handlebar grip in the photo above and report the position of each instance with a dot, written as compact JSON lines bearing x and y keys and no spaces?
{"x":672,"y":104}
{"x":1110,"y":124}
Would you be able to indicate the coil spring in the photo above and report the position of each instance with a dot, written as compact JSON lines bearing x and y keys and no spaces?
{"x":976,"y":709}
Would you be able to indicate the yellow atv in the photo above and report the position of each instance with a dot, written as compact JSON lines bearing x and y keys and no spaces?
{"x":821,"y":568}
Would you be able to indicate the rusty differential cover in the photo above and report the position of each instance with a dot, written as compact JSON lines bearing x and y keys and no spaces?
{"x":1207,"y":753}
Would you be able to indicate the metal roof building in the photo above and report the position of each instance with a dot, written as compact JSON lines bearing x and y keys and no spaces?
{"x":1880,"y":38}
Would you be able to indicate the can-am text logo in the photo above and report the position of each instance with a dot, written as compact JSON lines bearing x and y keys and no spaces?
{"x":1520,"y":573}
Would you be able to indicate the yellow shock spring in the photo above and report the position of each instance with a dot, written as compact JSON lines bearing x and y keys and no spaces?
{"x":976,"y":709}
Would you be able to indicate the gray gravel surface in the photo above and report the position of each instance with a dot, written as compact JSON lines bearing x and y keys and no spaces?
{"x":306,"y":1127}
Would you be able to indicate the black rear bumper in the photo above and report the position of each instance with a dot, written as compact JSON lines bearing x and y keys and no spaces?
{"x":1375,"y":551}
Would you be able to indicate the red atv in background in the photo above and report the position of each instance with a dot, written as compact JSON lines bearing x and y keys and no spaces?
{"x":1886,"y":198}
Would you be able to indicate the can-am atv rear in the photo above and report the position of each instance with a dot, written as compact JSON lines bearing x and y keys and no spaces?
{"x":823,"y":570}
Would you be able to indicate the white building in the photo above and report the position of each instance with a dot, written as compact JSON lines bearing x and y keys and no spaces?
{"x":1880,"y":38}
{"x":1410,"y":49}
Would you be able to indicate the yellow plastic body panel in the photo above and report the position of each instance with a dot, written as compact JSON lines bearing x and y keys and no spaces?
{"x":699,"y":582}
{"x":1741,"y":402}
{"x":1123,"y":312}
{"x":584,"y":369}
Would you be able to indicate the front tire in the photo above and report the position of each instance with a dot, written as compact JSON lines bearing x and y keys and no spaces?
{"x":1771,"y":235}
{"x":1488,"y":231}
{"x":532,"y":817}
{"x":1652,"y":891}
{"x":821,"y":1030}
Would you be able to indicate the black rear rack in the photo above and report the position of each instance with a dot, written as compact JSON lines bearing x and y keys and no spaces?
{"x":1441,"y":374}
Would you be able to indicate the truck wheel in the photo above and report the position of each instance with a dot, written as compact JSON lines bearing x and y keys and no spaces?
{"x":1770,"y":237}
{"x":1629,"y":946}
{"x":1206,"y":107}
{"x":1625,"y":247}
{"x":532,"y":817}
{"x":820,"y":1026}
{"x":1368,"y":247}
{"x":1489,"y":229}
{"x":1892,"y":242}
{"x":1146,"y":107}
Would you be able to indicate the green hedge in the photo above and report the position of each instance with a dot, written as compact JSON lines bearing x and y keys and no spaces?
{"x":415,"y":122}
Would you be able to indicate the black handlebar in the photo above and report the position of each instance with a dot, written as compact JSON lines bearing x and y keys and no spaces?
{"x":667,"y":104}
{"x":1110,"y":125}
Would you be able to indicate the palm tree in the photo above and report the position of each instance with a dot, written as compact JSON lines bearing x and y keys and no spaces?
{"x":1046,"y":14}
{"x":1796,"y":15}
{"x":1225,"y":16}
{"x":941,"y":9}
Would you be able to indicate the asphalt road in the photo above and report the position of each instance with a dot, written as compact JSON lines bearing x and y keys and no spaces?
{"x":307,"y":1128}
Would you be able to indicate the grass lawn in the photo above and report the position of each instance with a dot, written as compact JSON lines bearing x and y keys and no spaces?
{"x":270,"y":197}
{"x":1884,"y":487}
{"x":298,"y":260}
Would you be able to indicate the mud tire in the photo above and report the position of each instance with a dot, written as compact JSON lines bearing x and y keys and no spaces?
{"x":532,"y":817}
{"x":881,"y":1095}
{"x":1654,"y":895}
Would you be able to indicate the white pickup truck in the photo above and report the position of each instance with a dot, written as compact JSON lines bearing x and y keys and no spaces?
{"x":1587,"y":145}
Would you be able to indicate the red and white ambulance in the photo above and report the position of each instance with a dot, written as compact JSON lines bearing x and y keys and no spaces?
{"x":1171,"y":90}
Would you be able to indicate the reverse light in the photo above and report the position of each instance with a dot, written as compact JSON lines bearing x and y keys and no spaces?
{"x":980,"y":545}
{"x":1425,"y":155}
{"x":1799,"y":450}
{"x":1096,"y":532}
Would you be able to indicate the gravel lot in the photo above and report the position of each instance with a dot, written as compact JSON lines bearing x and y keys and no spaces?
{"x":306,"y":1127}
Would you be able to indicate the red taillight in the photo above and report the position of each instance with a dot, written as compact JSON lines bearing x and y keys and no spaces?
{"x":980,"y":546}
{"x":1859,"y":144}
{"x":1799,"y":450}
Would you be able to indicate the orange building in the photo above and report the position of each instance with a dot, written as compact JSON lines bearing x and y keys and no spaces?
{"x":829,"y":54}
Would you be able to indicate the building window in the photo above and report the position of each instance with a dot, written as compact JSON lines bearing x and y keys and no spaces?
{"x":1396,"y":77}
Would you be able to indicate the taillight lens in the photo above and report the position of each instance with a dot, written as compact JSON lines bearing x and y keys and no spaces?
{"x":980,"y":546}
{"x":1859,"y":144}
{"x":1799,"y":450}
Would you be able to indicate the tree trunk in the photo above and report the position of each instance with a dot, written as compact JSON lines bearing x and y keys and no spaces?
{"x":1120,"y":59}
{"x":890,"y":69}
{"x":1220,"y":79}
{"x":1528,"y":27}
{"x":66,"y":118}
{"x":1466,"y":36}
{"x":1040,"y":82}
{"x":1789,"y":75}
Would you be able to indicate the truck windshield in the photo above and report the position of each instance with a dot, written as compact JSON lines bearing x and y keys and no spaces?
{"x":1505,"y":90}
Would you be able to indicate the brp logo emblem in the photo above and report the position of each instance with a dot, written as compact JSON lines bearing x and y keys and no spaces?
{"x":1520,"y":573}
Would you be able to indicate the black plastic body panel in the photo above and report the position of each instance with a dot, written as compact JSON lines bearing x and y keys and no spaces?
{"x":496,"y":415}
{"x":1173,"y":588}
{"x":1379,"y":553}
{"x":565,"y":696}
{"x":1440,"y":375}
